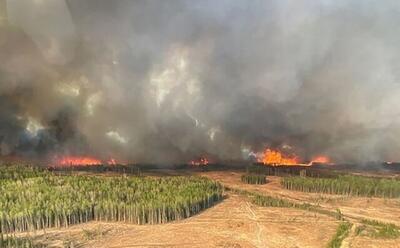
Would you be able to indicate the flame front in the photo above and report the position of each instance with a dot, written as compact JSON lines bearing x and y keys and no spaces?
{"x":112,"y":161}
{"x":200,"y":162}
{"x":73,"y":161}
{"x":83,"y":160}
{"x":320,"y":160}
{"x":274,"y":157}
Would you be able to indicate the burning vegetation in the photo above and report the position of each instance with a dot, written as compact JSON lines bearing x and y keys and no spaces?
{"x":274,"y":158}
{"x":277,"y":158}
{"x":200,"y":162}
{"x":72,"y":161}
{"x":321,"y":160}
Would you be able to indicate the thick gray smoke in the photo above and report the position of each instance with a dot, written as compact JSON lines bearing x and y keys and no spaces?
{"x":168,"y":81}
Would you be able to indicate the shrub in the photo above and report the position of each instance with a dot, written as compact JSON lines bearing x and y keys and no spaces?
{"x":382,"y":230}
{"x":341,"y":233}
{"x":254,"y":179}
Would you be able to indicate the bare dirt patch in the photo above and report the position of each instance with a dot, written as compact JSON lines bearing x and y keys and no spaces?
{"x":366,"y":242}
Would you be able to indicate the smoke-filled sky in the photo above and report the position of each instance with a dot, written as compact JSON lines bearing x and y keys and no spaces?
{"x":168,"y":81}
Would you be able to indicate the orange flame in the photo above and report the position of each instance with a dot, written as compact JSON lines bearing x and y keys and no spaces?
{"x":73,"y":161}
{"x":274,"y":157}
{"x":83,"y":160}
{"x":112,"y":161}
{"x":320,"y":160}
{"x":200,"y":162}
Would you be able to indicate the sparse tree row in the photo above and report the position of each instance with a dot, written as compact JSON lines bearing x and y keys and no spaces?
{"x":269,"y":201}
{"x":254,"y":179}
{"x":349,"y":185}
{"x":13,"y":242}
{"x":59,"y":201}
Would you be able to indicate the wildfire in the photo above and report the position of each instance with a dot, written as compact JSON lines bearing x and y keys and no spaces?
{"x":112,"y":161}
{"x":320,"y":160}
{"x":274,"y":157}
{"x":82,"y":160}
{"x":200,"y":162}
{"x":72,"y":160}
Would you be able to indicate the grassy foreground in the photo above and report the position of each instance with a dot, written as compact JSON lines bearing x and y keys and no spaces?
{"x":33,"y":200}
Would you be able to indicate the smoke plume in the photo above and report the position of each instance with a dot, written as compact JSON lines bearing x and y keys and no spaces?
{"x":167,"y":81}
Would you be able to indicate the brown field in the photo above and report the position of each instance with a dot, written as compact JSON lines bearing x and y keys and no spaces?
{"x":235,"y":222}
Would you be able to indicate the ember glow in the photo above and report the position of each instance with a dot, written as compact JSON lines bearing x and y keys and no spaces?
{"x":274,"y":157}
{"x":200,"y":162}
